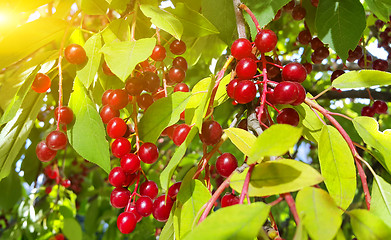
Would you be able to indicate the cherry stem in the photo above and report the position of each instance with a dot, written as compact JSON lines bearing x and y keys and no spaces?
{"x":264,"y":82}
{"x":158,"y":35}
{"x":341,"y":115}
{"x":245,"y":8}
{"x":134,"y":20}
{"x":134,"y":117}
{"x":370,"y":95}
{"x":274,"y":225}
{"x":271,"y":105}
{"x":246,"y":184}
{"x":323,"y":92}
{"x":133,"y":194}
{"x":275,"y":202}
{"x":292,"y":206}
{"x":350,"y":144}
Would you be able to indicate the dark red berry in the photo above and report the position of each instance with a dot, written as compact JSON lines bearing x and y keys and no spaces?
{"x":365,"y":62}
{"x":178,"y":47}
{"x":120,"y":147}
{"x":180,"y":133}
{"x":298,"y":13}
{"x":162,"y":208}
{"x":321,"y":53}
{"x":226,"y":164}
{"x":149,"y":189}
{"x":130,"y":163}
{"x":316,"y":43}
{"x":44,"y":153}
{"x":158,"y":53}
{"x":245,"y":91}
{"x":41,"y":83}
{"x":289,"y":6}
{"x":106,"y":96}
{"x":336,"y":74}
{"x":288,"y":116}
{"x":231,"y":87}
{"x":126,"y":222}
{"x":266,"y":40}
{"x":134,"y":86}
{"x":304,"y":37}
{"x":66,"y":183}
{"x":107,"y":70}
{"x":308,"y":67}
{"x":56,"y":140}
{"x":66,"y":115}
{"x":173,"y":190}
{"x":243,"y":124}
{"x":229,"y":199}
{"x":144,"y":206}
{"x":294,"y":72}
{"x":118,"y":99}
{"x":107,"y":113}
{"x":380,"y":64}
{"x":315,"y":3}
{"x":48,"y":189}
{"x":116,"y":128}
{"x":180,"y":62}
{"x":119,"y":197}
{"x":285,"y":93}
{"x":380,"y":107}
{"x":355,"y":54}
{"x":75,"y":54}
{"x":151,"y":81}
{"x":176,"y":74}
{"x":368,"y":111}
{"x":211,"y":132}
{"x":117,"y":177}
{"x":144,"y":101}
{"x":181,"y":87}
{"x":300,"y":94}
{"x":148,"y":153}
{"x":241,"y":48}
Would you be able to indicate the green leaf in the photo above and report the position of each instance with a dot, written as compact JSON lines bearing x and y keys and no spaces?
{"x":381,"y":199}
{"x":362,"y":79}
{"x":274,"y":141}
{"x":242,"y":139}
{"x":221,"y":14}
{"x":240,"y":221}
{"x":168,"y":109}
{"x":320,"y":215}
{"x":166,"y":174}
{"x":92,"y":220}
{"x":368,"y":226}
{"x":337,"y":166}
{"x":94,"y":7}
{"x":122,"y":57}
{"x":340,"y":24}
{"x":221,"y":93}
{"x":11,"y":187}
{"x":301,"y":233}
{"x":117,"y":30}
{"x":87,"y":135}
{"x":196,"y":5}
{"x":309,"y":121}
{"x":276,"y":177}
{"x":31,"y":166}
{"x":72,"y":229}
{"x":88,"y":72}
{"x":382,"y":9}
{"x":163,"y":20}
{"x":189,"y":212}
{"x":29,"y":37}
{"x":14,"y":134}
{"x":368,"y":129}
{"x":168,"y":230}
{"x":194,"y":24}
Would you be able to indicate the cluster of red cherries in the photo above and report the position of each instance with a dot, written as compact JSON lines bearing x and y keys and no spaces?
{"x":53,"y":177}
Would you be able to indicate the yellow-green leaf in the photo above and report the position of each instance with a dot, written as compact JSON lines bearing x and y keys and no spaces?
{"x":363,"y":78}
{"x":242,"y":139}
{"x":368,"y":226}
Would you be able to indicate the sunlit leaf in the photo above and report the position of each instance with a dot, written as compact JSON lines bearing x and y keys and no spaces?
{"x":72,"y":229}
{"x":94,"y":7}
{"x":381,"y":199}
{"x":242,"y":139}
{"x":363,"y":78}
{"x":368,"y":226}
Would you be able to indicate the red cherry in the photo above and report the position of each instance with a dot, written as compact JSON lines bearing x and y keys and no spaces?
{"x":119,"y":197}
{"x":130,"y":163}
{"x":355,"y":54}
{"x":120,"y":147}
{"x":117,"y":177}
{"x":151,"y":81}
{"x":173,"y":190}
{"x":56,"y":140}
{"x":107,"y":70}
{"x":211,"y":132}
{"x":48,"y":189}
{"x":66,"y":183}
{"x":181,"y":87}
{"x":316,"y":43}
{"x":132,"y":209}
{"x":365,"y":62}
{"x":134,"y":86}
{"x":245,"y":91}
{"x":75,"y":54}
{"x":368,"y":111}
{"x":266,"y":40}
{"x":44,"y":153}
{"x":116,"y":128}
{"x":149,"y":189}
{"x":126,"y":222}
{"x":308,"y":67}
{"x":107,"y":113}
{"x":176,"y":74}
{"x":229,"y":199}
{"x":300,"y":94}
{"x":60,"y":236}
{"x":178,"y":47}
{"x":285,"y":92}
{"x":66,"y":115}
{"x":148,"y":153}
{"x":180,"y":134}
{"x":289,"y":6}
{"x":304,"y":37}
{"x":246,"y":68}
{"x":315,"y":3}
{"x":288,"y":116}
{"x":380,"y":64}
{"x":241,"y":48}
{"x":226,"y":164}
{"x":298,"y":13}
{"x":180,"y":62}
{"x":106,"y":96}
{"x":336,"y":74}
{"x":118,"y":99}
{"x":169,"y":131}
{"x":321,"y":53}
{"x":380,"y":107}
{"x":294,"y":72}
{"x":231,"y":87}
{"x":144,"y":206}
{"x":144,"y":101}
{"x":162,"y":208}
{"x":41,"y":83}
{"x":158,"y":53}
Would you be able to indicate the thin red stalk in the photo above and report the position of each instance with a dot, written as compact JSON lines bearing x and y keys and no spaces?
{"x":274,"y":224}
{"x":158,"y":35}
{"x":292,"y":206}
{"x":278,"y":200}
{"x":350,"y":144}
{"x":246,"y":184}
{"x":264,"y":82}
{"x":271,"y":105}
{"x":133,"y":30}
{"x":245,"y":8}
{"x":341,"y":115}
{"x":134,"y":117}
{"x":133,"y":194}
{"x":214,"y":198}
